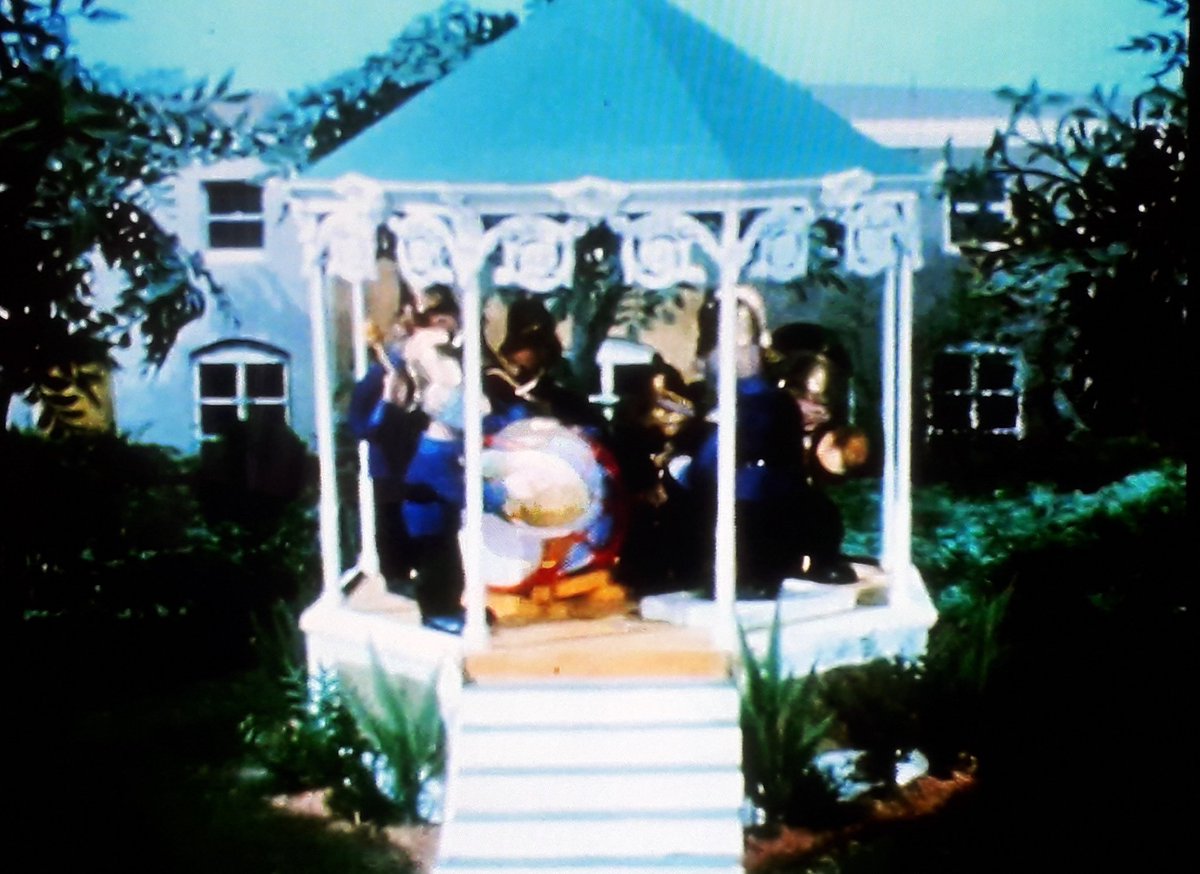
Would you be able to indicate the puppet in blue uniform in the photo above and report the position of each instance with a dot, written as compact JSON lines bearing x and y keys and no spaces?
{"x":786,"y":526}
{"x":383,"y":411}
{"x":435,"y":485}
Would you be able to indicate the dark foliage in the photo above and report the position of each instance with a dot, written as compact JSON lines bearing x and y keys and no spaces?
{"x":79,"y":159}
{"x":784,"y":722}
{"x":372,"y":753}
{"x":106,"y":540}
{"x":311,"y":740}
{"x":1052,"y":675}
{"x":320,"y":119}
{"x":1092,"y":270}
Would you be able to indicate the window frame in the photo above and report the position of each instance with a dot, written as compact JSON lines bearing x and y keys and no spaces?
{"x":234,"y":217}
{"x":952,"y":206}
{"x":976,"y":351}
{"x":240,"y":353}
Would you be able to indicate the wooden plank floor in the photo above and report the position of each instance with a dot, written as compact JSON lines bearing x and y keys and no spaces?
{"x":613,"y":646}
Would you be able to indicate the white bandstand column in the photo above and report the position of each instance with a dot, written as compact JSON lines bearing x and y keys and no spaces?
{"x":896,"y":505}
{"x":368,"y":555}
{"x":475,"y":631}
{"x":887,"y":504}
{"x":323,"y":412}
{"x":902,"y":511}
{"x":725,"y":572}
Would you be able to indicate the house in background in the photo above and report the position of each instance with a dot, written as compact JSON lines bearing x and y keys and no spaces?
{"x":972,"y":389}
{"x":247,"y":360}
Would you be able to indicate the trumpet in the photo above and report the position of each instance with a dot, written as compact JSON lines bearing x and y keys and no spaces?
{"x":375,"y":339}
{"x":407,"y":397}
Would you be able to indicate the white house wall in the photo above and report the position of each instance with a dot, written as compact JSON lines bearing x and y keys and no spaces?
{"x":267,"y":296}
{"x":265,"y":302}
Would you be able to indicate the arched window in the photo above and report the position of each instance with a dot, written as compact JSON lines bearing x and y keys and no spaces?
{"x":239,"y":381}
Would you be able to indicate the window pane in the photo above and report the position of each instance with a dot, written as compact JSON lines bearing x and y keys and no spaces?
{"x":952,"y":413}
{"x":264,"y":380}
{"x":265,"y":418}
{"x":233,"y":197}
{"x":997,"y":411}
{"x":996,"y":371}
{"x":951,"y":372}
{"x":218,"y":380}
{"x":235,"y":235}
{"x":981,"y":225}
{"x":217,"y":419}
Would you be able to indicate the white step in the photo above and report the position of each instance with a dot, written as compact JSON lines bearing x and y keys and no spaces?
{"x":718,"y":743}
{"x":626,"y":865}
{"x":566,"y":704}
{"x":580,"y":790}
{"x":599,"y":837}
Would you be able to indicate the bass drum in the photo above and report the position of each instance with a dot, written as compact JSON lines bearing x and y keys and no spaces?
{"x":557,"y":507}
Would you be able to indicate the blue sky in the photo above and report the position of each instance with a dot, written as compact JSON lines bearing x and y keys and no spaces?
{"x":285,"y":45}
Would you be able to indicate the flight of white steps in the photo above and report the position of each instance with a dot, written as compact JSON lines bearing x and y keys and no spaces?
{"x":602,"y":776}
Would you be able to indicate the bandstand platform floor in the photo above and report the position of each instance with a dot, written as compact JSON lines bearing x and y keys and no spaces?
{"x":618,"y":645}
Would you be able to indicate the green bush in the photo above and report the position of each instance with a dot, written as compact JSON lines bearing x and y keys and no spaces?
{"x":108,"y":540}
{"x":408,"y":740}
{"x":963,"y":540}
{"x":374,"y":755}
{"x":315,"y":743}
{"x":1044,"y":597}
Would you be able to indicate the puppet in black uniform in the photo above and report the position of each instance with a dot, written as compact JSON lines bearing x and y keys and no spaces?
{"x":813,"y":367}
{"x":522,"y":379}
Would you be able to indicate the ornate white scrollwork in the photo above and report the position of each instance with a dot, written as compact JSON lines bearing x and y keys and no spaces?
{"x":841,"y":191}
{"x":656,"y":249}
{"x":776,"y":243}
{"x":590,"y":198}
{"x":424,"y":248}
{"x":347,"y":235}
{"x":536,"y":253}
{"x":878,"y":228}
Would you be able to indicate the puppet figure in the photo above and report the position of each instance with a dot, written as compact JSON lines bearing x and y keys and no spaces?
{"x":435,"y":480}
{"x":809,"y":362}
{"x":786,"y":526}
{"x":519,"y":379}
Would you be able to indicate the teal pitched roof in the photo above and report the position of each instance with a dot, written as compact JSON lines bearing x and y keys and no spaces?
{"x":628,"y":90}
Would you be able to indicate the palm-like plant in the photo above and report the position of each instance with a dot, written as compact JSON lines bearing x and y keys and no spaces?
{"x":407,"y":737}
{"x":783,"y":725}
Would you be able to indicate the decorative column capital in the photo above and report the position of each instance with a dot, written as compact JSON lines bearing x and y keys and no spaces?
{"x":592,"y":199}
{"x":776,"y":243}
{"x":878,"y":229}
{"x":347,"y":235}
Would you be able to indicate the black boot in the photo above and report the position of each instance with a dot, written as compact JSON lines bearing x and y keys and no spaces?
{"x":831,"y":570}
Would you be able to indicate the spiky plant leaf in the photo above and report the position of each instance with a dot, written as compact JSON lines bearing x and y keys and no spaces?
{"x":407,"y":737}
{"x":783,"y":723}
